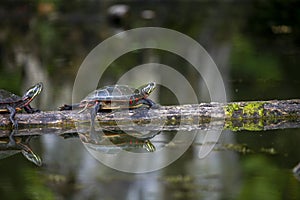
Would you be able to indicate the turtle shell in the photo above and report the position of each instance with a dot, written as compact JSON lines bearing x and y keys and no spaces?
{"x":7,"y":97}
{"x":113,"y":97}
{"x":115,"y":93}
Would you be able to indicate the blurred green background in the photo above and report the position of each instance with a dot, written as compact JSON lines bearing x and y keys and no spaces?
{"x":255,"y":45}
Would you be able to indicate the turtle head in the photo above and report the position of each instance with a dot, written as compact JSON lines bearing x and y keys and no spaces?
{"x":31,"y":156}
{"x":32,"y":92}
{"x":146,"y":90}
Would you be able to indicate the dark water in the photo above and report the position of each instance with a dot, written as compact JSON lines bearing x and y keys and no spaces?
{"x":253,"y":165}
{"x":255,"y":46}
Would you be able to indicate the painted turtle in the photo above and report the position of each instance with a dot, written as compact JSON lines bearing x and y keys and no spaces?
{"x":11,"y":103}
{"x":12,"y":145}
{"x":115,"y":97}
{"x":112,"y":142}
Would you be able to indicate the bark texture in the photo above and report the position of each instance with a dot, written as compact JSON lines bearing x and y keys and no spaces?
{"x":251,"y":115}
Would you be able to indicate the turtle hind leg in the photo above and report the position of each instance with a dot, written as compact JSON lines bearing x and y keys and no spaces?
{"x":12,"y":112}
{"x":68,"y":107}
{"x":65,"y":107}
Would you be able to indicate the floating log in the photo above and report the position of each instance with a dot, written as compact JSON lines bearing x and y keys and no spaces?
{"x":235,"y":116}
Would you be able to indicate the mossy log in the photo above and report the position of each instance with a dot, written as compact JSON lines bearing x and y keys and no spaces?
{"x":248,"y":115}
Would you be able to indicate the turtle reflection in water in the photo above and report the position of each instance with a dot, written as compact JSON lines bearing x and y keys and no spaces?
{"x":13,"y":145}
{"x":113,"y":142}
{"x":11,"y":103}
{"x":115,"y":97}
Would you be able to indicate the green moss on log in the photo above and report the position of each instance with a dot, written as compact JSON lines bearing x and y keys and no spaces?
{"x":244,"y":116}
{"x":244,"y":110}
{"x":250,"y":125}
{"x":255,"y":109}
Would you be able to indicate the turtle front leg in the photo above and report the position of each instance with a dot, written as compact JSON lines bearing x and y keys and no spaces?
{"x":29,"y":109}
{"x":12,"y":112}
{"x":94,"y":111}
{"x":12,"y":141}
{"x":149,"y":103}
